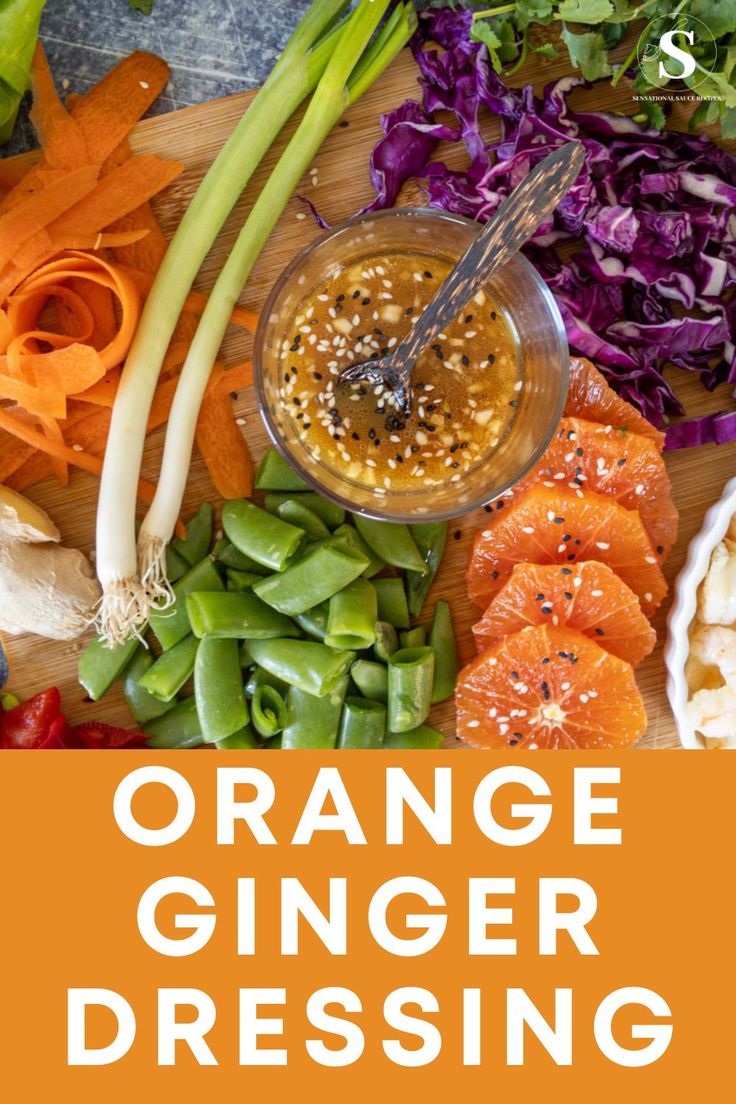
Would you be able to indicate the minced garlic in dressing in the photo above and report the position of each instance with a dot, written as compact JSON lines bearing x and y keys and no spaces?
{"x":466,"y":385}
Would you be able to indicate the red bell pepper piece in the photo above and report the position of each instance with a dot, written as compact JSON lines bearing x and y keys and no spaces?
{"x":98,"y":736}
{"x":34,"y":724}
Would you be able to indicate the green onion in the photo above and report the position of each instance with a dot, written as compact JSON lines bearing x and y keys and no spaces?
{"x":332,"y":95}
{"x":126,"y":602}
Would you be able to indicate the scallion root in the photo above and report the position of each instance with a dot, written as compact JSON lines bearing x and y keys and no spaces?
{"x":152,"y":568}
{"x":123,"y":611}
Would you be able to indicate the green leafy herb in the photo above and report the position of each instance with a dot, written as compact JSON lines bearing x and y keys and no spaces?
{"x":19,"y":20}
{"x":145,"y":6}
{"x":585,"y":11}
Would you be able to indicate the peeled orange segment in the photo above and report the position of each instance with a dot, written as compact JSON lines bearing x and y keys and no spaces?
{"x":589,"y":396}
{"x":555,"y":525}
{"x":587,"y":597}
{"x":628,"y":467}
{"x":547,"y":687}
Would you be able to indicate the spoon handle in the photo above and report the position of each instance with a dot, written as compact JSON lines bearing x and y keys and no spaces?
{"x":502,"y":236}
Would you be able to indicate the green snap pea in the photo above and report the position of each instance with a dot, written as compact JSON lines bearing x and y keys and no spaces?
{"x":314,"y":621}
{"x":274,"y":474}
{"x":238,"y":616}
{"x":362,"y":725}
{"x":311,"y":580}
{"x":349,"y":535}
{"x":332,"y":514}
{"x":265,"y":678}
{"x":176,"y":565}
{"x":179,"y":727}
{"x":227,"y":554}
{"x":239,"y":741}
{"x":172,"y":625}
{"x":313,"y":723}
{"x":142,"y":705}
{"x":309,"y":666}
{"x":268,"y":711}
{"x":264,"y":538}
{"x":273,"y":745}
{"x":218,"y":688}
{"x":351,"y":621}
{"x":392,"y":605}
{"x":414,"y":638}
{"x":296,"y":513}
{"x":171,"y":670}
{"x":410,"y":678}
{"x":422,"y":738}
{"x":447,"y":663}
{"x":99,"y":666}
{"x":195,"y":546}
{"x":240,"y":580}
{"x":387,"y":641}
{"x":392,"y":542}
{"x":430,"y":539}
{"x":371,"y":679}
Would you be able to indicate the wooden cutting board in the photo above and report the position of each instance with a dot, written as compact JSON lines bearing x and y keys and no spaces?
{"x":194,"y":136}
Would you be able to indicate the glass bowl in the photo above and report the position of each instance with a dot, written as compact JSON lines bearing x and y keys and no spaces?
{"x":517,"y":289}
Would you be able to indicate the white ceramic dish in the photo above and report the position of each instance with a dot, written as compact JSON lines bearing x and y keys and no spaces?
{"x":684,"y":605}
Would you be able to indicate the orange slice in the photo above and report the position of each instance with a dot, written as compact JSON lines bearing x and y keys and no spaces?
{"x":587,"y":597}
{"x":589,"y":396}
{"x":547,"y":525}
{"x":547,"y":688}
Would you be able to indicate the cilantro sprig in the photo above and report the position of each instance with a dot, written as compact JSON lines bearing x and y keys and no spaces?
{"x":588,"y":30}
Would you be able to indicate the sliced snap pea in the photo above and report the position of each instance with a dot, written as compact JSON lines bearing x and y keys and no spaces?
{"x":310,"y":666}
{"x":414,"y":638}
{"x":296,"y":513}
{"x":392,"y":542}
{"x":171,"y":670}
{"x":332,"y":514}
{"x":430,"y":539}
{"x":350,"y":536}
{"x":314,"y":621}
{"x":446,"y":661}
{"x":392,"y":605}
{"x":238,"y":616}
{"x":311,"y":580}
{"x":239,"y":741}
{"x":274,"y":474}
{"x":268,"y":711}
{"x":265,"y":678}
{"x":362,"y":725}
{"x":100,"y":666}
{"x":179,"y":727}
{"x":195,"y":546}
{"x":176,"y":565}
{"x":422,"y":738}
{"x":218,"y":688}
{"x":142,"y":705}
{"x":371,"y":679}
{"x":387,"y":641}
{"x":351,"y":621}
{"x":240,"y":580}
{"x":410,"y":678}
{"x":172,"y":625}
{"x":226,"y":553}
{"x":264,"y":538}
{"x":311,"y":722}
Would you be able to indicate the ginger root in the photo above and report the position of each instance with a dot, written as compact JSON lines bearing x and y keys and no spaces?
{"x":45,"y":588}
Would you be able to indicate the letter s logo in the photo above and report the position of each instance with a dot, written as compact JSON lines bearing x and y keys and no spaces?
{"x":667,"y":46}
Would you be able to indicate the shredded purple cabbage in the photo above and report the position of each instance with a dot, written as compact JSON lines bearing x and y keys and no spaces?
{"x":651,"y":219}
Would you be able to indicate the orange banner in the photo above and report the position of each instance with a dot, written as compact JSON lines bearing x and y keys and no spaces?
{"x":410,"y":926}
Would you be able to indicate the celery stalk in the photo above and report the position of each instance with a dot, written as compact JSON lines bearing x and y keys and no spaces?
{"x":332,"y":95}
{"x":126,"y":605}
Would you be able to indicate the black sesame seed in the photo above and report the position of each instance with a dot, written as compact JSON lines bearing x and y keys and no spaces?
{"x":545,"y":691}
{"x":294,"y":348}
{"x":513,"y":743}
{"x":317,"y":375}
{"x":344,"y":123}
{"x":488,"y":509}
{"x":296,"y":402}
{"x":494,"y":574}
{"x":579,"y":452}
{"x":466,"y":361}
{"x":355,"y":436}
{"x":340,"y":298}
{"x":568,"y":595}
{"x":599,"y":632}
{"x":571,"y":558}
{"x":559,"y":520}
{"x":515,"y":675}
{"x":621,"y":462}
{"x":300,"y":415}
{"x":539,"y":598}
{"x":356,"y":295}
{"x":493,"y":316}
{"x":366,"y":302}
{"x":399,"y":458}
{"x":409,"y":311}
{"x":427,"y":274}
{"x":455,"y":464}
{"x":457,"y":534}
{"x":660,"y":549}
{"x":546,"y":659}
{"x":566,"y":571}
{"x":566,"y":539}
{"x":514,"y":403}
{"x":468,"y":318}
{"x":490,"y":358}
{"x":371,"y":433}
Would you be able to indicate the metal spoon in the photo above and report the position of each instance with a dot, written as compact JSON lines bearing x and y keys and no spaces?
{"x":502,"y":236}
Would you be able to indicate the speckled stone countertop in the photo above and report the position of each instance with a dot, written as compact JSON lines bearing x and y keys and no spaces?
{"x":214,"y":47}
